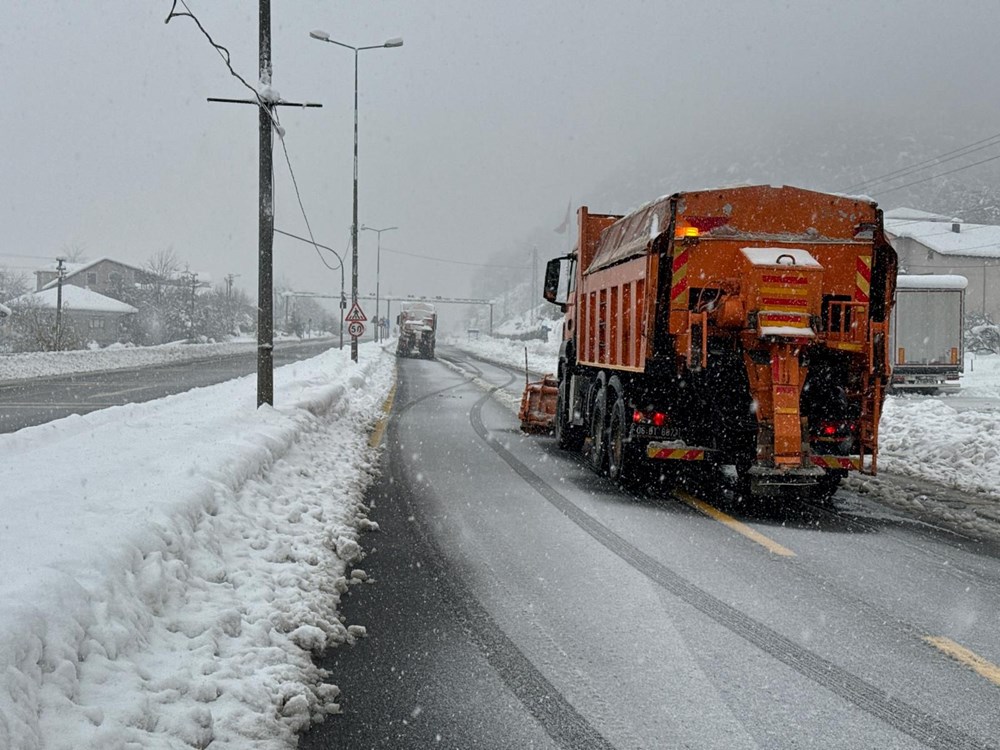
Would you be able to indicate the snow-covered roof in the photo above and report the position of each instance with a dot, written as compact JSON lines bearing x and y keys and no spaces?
{"x":913,"y":214}
{"x":972,"y":240}
{"x":74,"y":298}
{"x":931,"y":281}
{"x":72,"y":269}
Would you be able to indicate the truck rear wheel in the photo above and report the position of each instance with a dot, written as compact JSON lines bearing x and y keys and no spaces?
{"x":598,"y":455}
{"x":623,"y":459}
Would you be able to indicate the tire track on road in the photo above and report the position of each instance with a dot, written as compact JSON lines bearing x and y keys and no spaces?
{"x":567,"y":727}
{"x":896,"y":713}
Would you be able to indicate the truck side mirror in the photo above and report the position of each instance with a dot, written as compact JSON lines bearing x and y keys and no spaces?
{"x":551,"y":289}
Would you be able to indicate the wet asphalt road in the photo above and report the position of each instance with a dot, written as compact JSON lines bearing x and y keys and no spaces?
{"x":32,"y":402}
{"x":521,"y":601}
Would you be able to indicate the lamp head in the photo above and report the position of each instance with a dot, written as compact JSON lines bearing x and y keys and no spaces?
{"x":320,"y":34}
{"x":394,"y":42}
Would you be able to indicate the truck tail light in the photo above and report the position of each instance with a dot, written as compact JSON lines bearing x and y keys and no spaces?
{"x":656,"y":418}
{"x":837,"y":428}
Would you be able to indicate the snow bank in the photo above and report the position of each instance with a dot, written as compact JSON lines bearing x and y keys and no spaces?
{"x":169,"y":566}
{"x":929,"y":439}
{"x":543,"y":356}
{"x":981,"y":378}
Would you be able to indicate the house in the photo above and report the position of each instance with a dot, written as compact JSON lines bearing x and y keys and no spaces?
{"x":104,"y":276}
{"x":933,"y":243}
{"x":92,"y":316}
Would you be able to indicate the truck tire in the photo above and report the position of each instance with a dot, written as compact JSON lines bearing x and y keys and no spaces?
{"x":569,"y":437}
{"x":623,"y":459}
{"x":598,"y":455}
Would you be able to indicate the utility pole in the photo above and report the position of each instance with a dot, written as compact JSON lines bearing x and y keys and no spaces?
{"x":194,"y":286}
{"x":265,"y":222}
{"x":534,"y":280}
{"x":60,"y":274}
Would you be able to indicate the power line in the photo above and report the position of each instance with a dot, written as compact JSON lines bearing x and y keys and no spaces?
{"x":298,"y":197}
{"x":932,"y":161}
{"x":23,"y":255}
{"x":942,"y":174}
{"x":318,"y":245}
{"x":456,"y":262}
{"x":224,"y":54}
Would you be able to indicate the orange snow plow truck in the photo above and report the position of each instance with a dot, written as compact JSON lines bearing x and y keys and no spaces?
{"x":743,"y":326}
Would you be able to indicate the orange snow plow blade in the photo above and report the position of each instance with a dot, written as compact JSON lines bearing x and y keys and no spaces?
{"x":538,"y":405}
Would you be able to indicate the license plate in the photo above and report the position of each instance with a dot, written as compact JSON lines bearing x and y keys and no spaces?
{"x":650,"y":431}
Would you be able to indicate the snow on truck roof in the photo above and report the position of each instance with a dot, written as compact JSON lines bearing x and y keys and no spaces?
{"x":780,"y":256}
{"x":931,"y":281}
{"x":417,"y":307}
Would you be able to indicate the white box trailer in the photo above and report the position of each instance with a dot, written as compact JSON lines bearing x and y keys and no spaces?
{"x":925,"y":335}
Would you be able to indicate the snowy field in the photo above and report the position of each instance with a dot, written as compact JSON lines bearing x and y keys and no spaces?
{"x":170,"y":566}
{"x":937,"y":439}
{"x":116,"y":357}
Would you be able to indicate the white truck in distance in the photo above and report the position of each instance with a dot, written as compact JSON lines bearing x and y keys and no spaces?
{"x":417,"y":323}
{"x":925,"y":336}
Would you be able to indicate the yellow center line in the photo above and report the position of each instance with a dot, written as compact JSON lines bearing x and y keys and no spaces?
{"x":739,"y":528}
{"x":376,"y":437}
{"x":974,"y":661}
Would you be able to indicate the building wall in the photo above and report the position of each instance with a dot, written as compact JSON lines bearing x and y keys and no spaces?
{"x":982,"y":296}
{"x":102,"y":327}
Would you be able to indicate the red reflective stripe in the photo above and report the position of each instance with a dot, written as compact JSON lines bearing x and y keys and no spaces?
{"x":864,"y":269}
{"x":836,"y":462}
{"x":768,"y":316}
{"x":785,"y":301}
{"x":679,"y":454}
{"x":678,"y":289}
{"x":785,"y":279}
{"x":863,"y":278}
{"x":679,"y":260}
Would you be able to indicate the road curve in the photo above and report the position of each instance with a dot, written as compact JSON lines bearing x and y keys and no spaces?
{"x":521,"y":601}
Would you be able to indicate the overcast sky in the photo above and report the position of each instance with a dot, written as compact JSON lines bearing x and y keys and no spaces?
{"x":478,"y":131}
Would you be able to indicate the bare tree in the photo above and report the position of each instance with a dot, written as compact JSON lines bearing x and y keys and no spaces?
{"x":164,"y":263}
{"x":76,"y":253}
{"x":12,"y":284}
{"x":34,"y":328}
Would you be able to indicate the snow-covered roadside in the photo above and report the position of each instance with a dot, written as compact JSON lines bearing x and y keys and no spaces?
{"x":543,"y":356}
{"x":116,"y":357}
{"x":169,"y":566}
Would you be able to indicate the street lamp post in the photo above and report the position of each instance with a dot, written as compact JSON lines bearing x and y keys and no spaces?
{"x":395,"y":42}
{"x":378,"y":271}
{"x":340,"y":261}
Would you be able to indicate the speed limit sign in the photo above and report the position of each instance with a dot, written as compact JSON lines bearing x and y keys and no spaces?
{"x":356,"y":329}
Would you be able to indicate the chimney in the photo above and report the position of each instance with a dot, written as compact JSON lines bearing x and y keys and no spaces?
{"x":956,"y":226}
